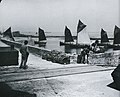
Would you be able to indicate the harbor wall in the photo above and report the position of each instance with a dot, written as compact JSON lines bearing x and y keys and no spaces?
{"x":32,"y":49}
{"x":54,"y":56}
{"x":105,"y":59}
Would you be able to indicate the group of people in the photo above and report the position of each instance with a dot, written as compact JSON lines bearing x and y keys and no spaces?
{"x":83,"y":56}
{"x":94,"y":47}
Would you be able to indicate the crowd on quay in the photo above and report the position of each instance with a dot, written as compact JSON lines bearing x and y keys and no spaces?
{"x":85,"y":52}
{"x":83,"y":56}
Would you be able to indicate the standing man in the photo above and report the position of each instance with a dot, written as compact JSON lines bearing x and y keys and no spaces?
{"x":79,"y":58}
{"x":87,"y":53}
{"x":24,"y":52}
{"x":83,"y":53}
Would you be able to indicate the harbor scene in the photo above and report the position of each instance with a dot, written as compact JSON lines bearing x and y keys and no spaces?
{"x":59,"y":48}
{"x":53,"y":41}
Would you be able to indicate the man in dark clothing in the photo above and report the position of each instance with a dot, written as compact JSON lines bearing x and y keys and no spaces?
{"x":79,"y":58}
{"x":83,"y":53}
{"x":25,"y":54}
{"x":87,"y":54}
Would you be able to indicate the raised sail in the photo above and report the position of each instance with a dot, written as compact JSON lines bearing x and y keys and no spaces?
{"x":82,"y":35}
{"x":8,"y":34}
{"x":80,"y":26}
{"x":116,"y":35}
{"x":104,"y":37}
{"x":41,"y":35}
{"x":116,"y":41}
{"x":68,"y":35}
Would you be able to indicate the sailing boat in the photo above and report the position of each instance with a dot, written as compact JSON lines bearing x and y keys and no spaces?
{"x":8,"y":34}
{"x":41,"y":37}
{"x":82,"y":35}
{"x":104,"y":37}
{"x":103,"y":46}
{"x":83,"y":39}
{"x":68,"y":37}
{"x":116,"y":41}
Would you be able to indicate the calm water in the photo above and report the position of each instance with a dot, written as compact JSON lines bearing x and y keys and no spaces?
{"x":53,"y":43}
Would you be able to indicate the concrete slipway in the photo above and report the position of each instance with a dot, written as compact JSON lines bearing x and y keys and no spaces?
{"x":47,"y":79}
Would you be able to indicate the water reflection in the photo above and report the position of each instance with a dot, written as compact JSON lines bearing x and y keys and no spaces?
{"x":53,"y":44}
{"x":42,"y":45}
{"x":69,"y":49}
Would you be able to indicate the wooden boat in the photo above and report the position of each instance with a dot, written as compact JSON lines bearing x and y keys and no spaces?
{"x":116,"y":41}
{"x":105,"y":40}
{"x":41,"y":37}
{"x":104,"y":36}
{"x":83,"y":39}
{"x":68,"y":37}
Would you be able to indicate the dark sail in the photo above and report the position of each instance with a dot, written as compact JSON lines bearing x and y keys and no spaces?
{"x":68,"y":35}
{"x":8,"y":33}
{"x":116,"y":35}
{"x":41,"y":35}
{"x":104,"y":37}
{"x":80,"y":26}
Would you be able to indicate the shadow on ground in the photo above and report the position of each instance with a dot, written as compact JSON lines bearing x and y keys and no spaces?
{"x":7,"y":91}
{"x":114,"y":86}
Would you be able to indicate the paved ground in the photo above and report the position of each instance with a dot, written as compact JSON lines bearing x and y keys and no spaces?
{"x":46,"y":79}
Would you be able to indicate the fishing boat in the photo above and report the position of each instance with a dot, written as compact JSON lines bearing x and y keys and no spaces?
{"x":116,"y":42}
{"x":83,"y":39}
{"x":68,"y":37}
{"x":105,"y":40}
{"x":41,"y":37}
{"x":104,"y":37}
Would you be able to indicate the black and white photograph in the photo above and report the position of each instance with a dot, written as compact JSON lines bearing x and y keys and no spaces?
{"x":59,"y":48}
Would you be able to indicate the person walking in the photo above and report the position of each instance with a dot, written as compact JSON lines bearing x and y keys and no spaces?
{"x":24,"y":55}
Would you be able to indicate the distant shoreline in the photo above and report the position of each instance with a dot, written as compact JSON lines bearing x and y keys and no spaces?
{"x":59,"y":37}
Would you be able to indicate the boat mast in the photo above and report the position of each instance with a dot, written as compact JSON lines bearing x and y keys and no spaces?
{"x":77,"y":38}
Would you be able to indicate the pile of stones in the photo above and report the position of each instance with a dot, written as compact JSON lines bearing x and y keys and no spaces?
{"x":57,"y":57}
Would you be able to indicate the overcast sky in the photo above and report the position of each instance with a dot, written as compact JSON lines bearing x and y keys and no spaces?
{"x":53,"y":15}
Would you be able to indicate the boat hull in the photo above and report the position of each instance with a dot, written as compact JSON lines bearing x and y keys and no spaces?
{"x":114,"y":46}
{"x":72,"y":45}
{"x":40,"y":42}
